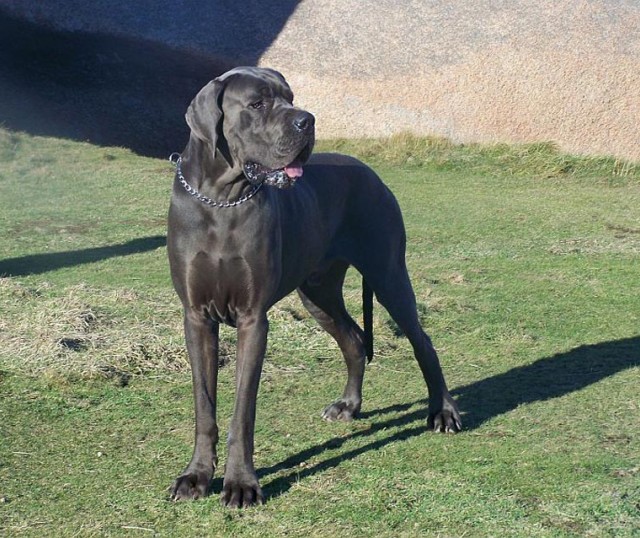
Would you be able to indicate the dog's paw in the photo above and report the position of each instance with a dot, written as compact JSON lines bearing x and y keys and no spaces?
{"x":192,"y":485}
{"x":447,"y":419}
{"x":343,"y":410}
{"x":241,"y":492}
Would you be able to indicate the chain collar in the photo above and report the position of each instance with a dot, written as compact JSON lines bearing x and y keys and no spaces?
{"x":176,"y":159}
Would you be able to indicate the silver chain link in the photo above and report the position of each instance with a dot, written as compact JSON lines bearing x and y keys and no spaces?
{"x":176,"y":159}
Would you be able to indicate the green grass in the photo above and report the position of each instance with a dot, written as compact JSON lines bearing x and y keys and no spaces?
{"x":525,"y":265}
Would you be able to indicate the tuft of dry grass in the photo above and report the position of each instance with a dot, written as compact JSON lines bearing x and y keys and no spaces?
{"x":88,"y":331}
{"x":85,"y":331}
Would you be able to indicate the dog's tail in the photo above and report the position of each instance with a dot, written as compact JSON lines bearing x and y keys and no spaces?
{"x":367,"y":318}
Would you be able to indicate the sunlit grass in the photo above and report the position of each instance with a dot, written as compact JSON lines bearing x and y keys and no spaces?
{"x":525,"y":266}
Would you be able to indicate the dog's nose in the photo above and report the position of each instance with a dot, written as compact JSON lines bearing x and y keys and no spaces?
{"x":303,"y":121}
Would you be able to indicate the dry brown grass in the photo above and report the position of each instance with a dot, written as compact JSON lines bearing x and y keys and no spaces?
{"x":85,"y":331}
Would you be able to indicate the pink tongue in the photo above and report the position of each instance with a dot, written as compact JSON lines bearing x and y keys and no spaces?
{"x":293,"y":170}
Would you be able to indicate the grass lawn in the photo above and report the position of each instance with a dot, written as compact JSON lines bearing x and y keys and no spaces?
{"x":526,"y":266}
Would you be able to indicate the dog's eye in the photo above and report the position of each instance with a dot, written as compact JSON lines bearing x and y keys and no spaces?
{"x":258,"y":104}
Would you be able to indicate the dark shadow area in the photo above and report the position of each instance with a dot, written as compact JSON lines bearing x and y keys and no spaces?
{"x":120,"y":91}
{"x":41,"y":263}
{"x":547,"y":378}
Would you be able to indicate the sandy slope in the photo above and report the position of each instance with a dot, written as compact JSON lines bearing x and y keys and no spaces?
{"x":489,"y":70}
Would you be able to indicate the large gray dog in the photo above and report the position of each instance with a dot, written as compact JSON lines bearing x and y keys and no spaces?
{"x":247,"y":227}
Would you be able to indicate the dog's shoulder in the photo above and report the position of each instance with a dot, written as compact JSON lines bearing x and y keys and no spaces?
{"x":334,"y":159}
{"x":343,"y":166}
{"x":337,"y":175}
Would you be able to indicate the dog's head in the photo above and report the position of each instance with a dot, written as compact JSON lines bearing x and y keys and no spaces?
{"x":247,"y":117}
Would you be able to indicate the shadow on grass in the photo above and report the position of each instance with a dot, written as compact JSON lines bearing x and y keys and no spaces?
{"x":545,"y":379}
{"x":41,"y":263}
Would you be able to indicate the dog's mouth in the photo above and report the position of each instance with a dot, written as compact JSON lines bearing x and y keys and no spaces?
{"x":282,"y":178}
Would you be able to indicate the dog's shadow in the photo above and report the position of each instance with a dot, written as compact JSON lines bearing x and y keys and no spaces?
{"x":547,"y":378}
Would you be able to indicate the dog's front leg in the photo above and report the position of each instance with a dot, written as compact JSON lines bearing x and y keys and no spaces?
{"x":241,"y":488}
{"x":202,"y":344}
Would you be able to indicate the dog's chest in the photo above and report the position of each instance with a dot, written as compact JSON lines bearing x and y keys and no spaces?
{"x":232,"y":274}
{"x":243,"y":261}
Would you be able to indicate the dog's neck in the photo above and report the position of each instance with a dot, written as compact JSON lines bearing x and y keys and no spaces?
{"x":214,"y":177}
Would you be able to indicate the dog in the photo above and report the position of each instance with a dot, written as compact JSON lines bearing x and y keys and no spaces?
{"x":255,"y":215}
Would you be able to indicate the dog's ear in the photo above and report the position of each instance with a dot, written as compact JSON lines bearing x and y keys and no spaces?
{"x":204,"y":114}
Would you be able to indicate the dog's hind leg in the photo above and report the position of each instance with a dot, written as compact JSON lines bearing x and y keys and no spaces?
{"x":392,"y":287}
{"x":321,"y":294}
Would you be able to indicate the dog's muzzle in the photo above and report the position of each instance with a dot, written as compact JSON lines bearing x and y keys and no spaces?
{"x":282,"y":178}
